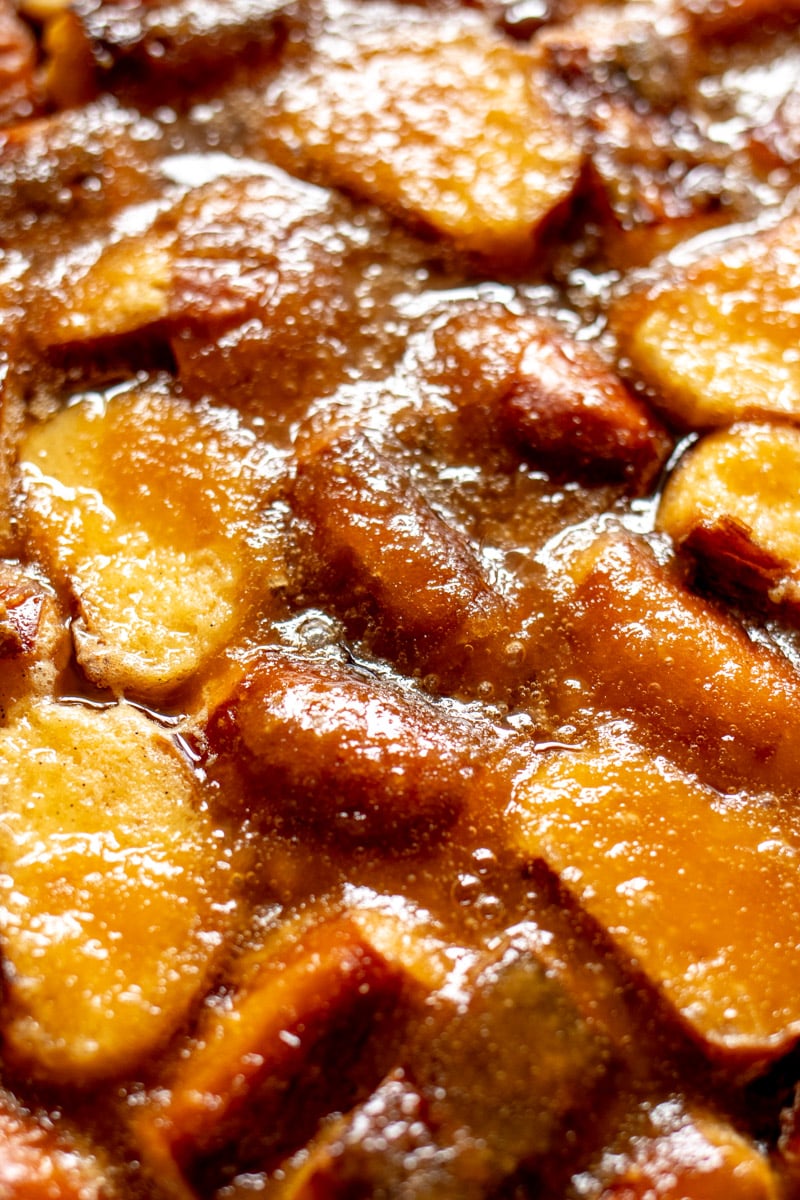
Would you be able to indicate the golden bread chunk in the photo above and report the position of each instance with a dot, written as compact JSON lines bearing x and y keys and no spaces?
{"x":363,"y":761}
{"x":716,"y":340}
{"x":42,"y":10}
{"x":408,"y":940}
{"x":552,"y":396}
{"x":645,"y":646}
{"x":385,"y":540}
{"x":125,"y":288}
{"x":441,"y":122}
{"x":256,"y":280}
{"x":239,"y":237}
{"x":109,"y":929}
{"x":701,"y":895}
{"x":733,"y":503}
{"x":69,"y":75}
{"x":272,"y":1061}
{"x":144,"y":509}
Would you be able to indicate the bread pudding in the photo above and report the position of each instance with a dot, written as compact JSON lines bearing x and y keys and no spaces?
{"x":399,"y":599}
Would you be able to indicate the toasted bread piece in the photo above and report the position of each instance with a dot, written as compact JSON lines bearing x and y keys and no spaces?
{"x":123,"y":288}
{"x":716,"y":340}
{"x":700,"y":895}
{"x":570,"y":409}
{"x":374,"y":533}
{"x":733,"y":504}
{"x":439,"y":121}
{"x":554,"y":397}
{"x":143,"y":508}
{"x":324,"y":744}
{"x":42,"y":10}
{"x":109,"y":931}
{"x":647,"y":647}
{"x":282,"y":1052}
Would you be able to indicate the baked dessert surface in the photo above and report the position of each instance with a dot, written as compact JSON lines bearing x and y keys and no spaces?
{"x":400,"y":536}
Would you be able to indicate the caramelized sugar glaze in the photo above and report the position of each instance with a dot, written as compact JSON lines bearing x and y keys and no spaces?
{"x":400,"y":535}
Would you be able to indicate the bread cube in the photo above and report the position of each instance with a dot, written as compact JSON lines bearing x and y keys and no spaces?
{"x":277,"y":1056}
{"x":375,"y":536}
{"x":145,"y":509}
{"x":321,"y":742}
{"x":649,"y":648}
{"x":700,"y":894}
{"x":440,"y":121}
{"x":716,"y":340}
{"x":733,"y":504}
{"x":110,"y":927}
{"x":124,"y":288}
